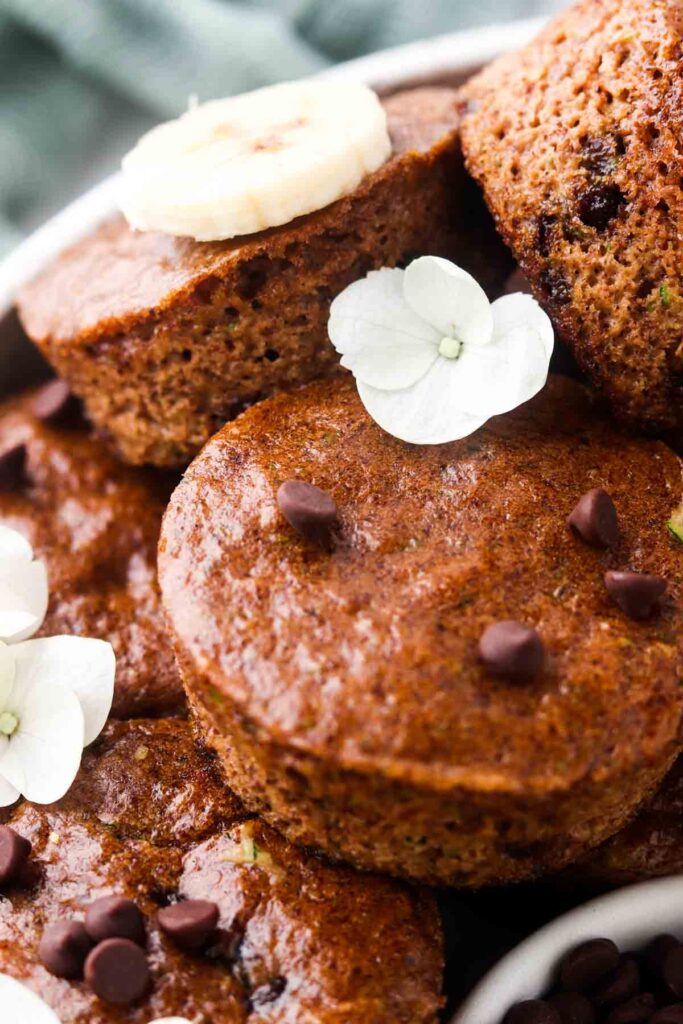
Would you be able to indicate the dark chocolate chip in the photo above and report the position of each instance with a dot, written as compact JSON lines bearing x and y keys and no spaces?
{"x":637,"y":594}
{"x":14,"y":852}
{"x":52,"y":400}
{"x":672,"y":971}
{"x":635,"y":1011}
{"x":12,"y":466}
{"x":63,"y":949}
{"x":655,"y":952}
{"x":532,"y":1011}
{"x":114,"y":917}
{"x":573,"y":1008}
{"x":599,"y":205}
{"x":190,"y":924}
{"x":310,"y":510}
{"x":595,"y":519}
{"x":586,"y":965}
{"x":620,"y":985}
{"x":512,"y":649}
{"x":117,"y":971}
{"x":668,"y":1015}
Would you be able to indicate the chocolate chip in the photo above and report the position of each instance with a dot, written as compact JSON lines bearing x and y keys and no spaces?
{"x":599,"y":205}
{"x":656,"y":951}
{"x":586,"y":965}
{"x":117,"y":971}
{"x":668,"y":1015}
{"x":310,"y":510}
{"x":637,"y":594}
{"x":52,"y":400}
{"x":12,"y":466}
{"x":512,"y":649}
{"x":190,"y":924}
{"x":14,"y":852}
{"x":63,"y":949}
{"x":672,"y":971}
{"x":619,"y":986}
{"x":114,"y":917}
{"x":573,"y":1008}
{"x":532,"y":1011}
{"x":595,"y":519}
{"x":635,"y":1011}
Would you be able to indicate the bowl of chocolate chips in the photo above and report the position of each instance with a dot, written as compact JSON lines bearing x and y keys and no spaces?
{"x":615,"y":960}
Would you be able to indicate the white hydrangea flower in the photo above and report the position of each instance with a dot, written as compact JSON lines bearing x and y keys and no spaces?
{"x":23,"y":588}
{"x":432,"y":358}
{"x":55,"y":693}
{"x":22,"y":1006}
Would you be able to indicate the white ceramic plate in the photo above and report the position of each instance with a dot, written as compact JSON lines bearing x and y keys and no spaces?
{"x":631,"y":917}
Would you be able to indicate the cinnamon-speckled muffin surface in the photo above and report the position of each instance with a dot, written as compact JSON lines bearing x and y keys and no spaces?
{"x":299,"y":941}
{"x":96,"y":524}
{"x":187,"y":334}
{"x":344,"y":690}
{"x":575,"y":141}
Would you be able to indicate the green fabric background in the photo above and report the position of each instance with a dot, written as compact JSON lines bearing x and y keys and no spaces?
{"x":81,"y":79}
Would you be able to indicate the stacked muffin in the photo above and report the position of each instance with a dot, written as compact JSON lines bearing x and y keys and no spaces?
{"x":344,"y":607}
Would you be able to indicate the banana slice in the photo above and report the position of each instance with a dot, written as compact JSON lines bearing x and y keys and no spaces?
{"x":239,"y":165}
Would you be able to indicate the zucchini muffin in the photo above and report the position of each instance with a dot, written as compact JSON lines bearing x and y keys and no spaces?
{"x":95,"y":523}
{"x":650,"y":846}
{"x":187,"y":334}
{"x":576,"y":143}
{"x":291,"y":938}
{"x":351,"y":683}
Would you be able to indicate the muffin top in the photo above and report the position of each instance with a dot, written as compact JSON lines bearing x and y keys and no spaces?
{"x":117,"y":273}
{"x":368,"y":655}
{"x":298,"y":940}
{"x":575,"y":140}
{"x":96,"y":524}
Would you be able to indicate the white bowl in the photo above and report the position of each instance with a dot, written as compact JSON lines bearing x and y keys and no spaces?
{"x":630,"y":916}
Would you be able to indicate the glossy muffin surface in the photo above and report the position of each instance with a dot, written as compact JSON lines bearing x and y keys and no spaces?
{"x":344,"y":690}
{"x":96,"y":524}
{"x":575,"y":141}
{"x":299,"y":941}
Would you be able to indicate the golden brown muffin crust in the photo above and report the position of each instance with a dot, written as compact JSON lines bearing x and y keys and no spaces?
{"x":300,"y":941}
{"x":366,"y":660}
{"x":576,"y":143}
{"x":96,"y":524}
{"x":187,"y":334}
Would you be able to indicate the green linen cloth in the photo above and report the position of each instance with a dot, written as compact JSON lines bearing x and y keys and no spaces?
{"x":81,"y":79}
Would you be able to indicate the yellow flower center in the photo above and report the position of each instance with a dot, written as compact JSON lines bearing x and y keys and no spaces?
{"x":8,"y":723}
{"x":450,"y":348}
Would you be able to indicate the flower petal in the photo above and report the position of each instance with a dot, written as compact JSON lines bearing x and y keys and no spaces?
{"x":20,"y":1004}
{"x":520,"y":310}
{"x":450,"y":299}
{"x":382,"y":341}
{"x":8,"y":793}
{"x":14,"y":545}
{"x":44,"y":754}
{"x":422,"y":414}
{"x":501,"y":376}
{"x":86,"y":667}
{"x":23,"y":598}
{"x":7,"y":673}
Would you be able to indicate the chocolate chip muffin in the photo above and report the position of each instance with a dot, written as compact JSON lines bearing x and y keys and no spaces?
{"x":575,"y":141}
{"x":96,"y":524}
{"x":186,"y":334}
{"x":365,"y":688}
{"x":291,"y":938}
{"x":650,"y":846}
